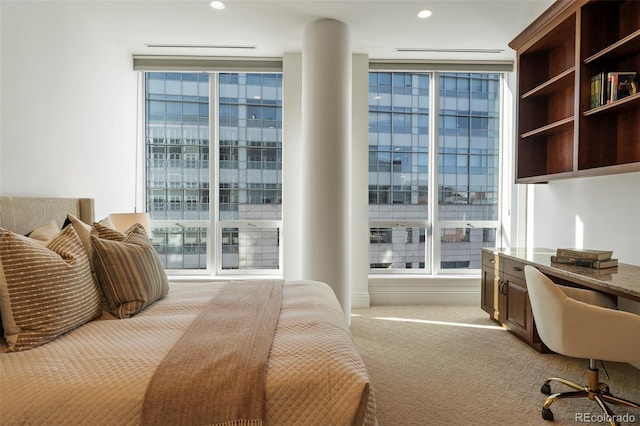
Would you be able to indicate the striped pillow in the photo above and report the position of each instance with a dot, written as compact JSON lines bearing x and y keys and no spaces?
{"x":45,"y":291}
{"x":101,"y":230}
{"x":128,"y":269}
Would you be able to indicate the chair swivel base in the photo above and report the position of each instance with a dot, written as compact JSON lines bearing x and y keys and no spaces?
{"x":595,"y":391}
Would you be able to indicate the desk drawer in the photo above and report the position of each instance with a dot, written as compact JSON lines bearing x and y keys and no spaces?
{"x":489,"y":259}
{"x":513,"y":268}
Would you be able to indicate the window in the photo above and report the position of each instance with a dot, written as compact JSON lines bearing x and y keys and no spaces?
{"x":468,"y":167}
{"x":235,"y":118}
{"x":411,"y":149}
{"x":213,"y":144}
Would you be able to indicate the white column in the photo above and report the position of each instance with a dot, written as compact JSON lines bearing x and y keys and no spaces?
{"x":326,"y":156}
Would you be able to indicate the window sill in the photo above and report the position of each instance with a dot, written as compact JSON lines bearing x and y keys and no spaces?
{"x":375,"y":279}
{"x":219,"y":278}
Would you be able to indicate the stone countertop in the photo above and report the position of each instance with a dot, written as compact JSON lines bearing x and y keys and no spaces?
{"x":623,"y":280}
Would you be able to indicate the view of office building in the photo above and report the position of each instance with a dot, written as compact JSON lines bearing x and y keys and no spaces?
{"x":399,"y":177}
{"x":180,"y":150}
{"x":225,"y":129}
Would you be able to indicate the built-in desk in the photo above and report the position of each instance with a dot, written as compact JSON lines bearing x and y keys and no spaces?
{"x":504,"y":289}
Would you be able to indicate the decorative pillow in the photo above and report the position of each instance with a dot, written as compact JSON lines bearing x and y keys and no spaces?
{"x":107,"y":222}
{"x":45,"y":291}
{"x":83,"y":230}
{"x":106,"y":232}
{"x":128,"y":269}
{"x":45,"y":232}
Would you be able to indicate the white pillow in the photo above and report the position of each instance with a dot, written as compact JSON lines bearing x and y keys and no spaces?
{"x":45,"y":232}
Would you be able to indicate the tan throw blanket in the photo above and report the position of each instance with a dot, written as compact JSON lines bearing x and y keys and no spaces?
{"x":215,"y":374}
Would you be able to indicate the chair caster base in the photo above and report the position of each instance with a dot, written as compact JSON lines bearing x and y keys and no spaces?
{"x":547,"y":414}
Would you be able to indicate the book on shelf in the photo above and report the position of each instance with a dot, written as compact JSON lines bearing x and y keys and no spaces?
{"x":586,"y":254}
{"x":619,"y":84}
{"x":597,"y":264}
{"x":608,"y":87}
{"x":598,"y":89}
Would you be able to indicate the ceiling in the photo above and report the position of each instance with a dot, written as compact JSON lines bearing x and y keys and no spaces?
{"x":378,"y":27}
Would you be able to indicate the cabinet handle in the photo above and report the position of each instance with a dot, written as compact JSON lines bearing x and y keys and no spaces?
{"x":493,"y":261}
{"x":517,"y":268}
{"x":502,"y":288}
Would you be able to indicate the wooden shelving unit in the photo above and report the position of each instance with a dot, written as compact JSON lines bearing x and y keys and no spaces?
{"x":559,"y":135}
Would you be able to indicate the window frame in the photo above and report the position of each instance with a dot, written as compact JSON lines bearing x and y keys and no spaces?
{"x":214,"y":225}
{"x":432,"y":246}
{"x":434,"y":225}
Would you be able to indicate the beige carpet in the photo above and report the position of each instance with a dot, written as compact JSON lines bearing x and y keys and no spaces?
{"x":454,"y":366}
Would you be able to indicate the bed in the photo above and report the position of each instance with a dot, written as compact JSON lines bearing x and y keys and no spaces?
{"x":244,"y":353}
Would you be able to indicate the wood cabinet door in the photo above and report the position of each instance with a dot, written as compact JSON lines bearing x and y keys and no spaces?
{"x":517,"y":310}
{"x":489,"y":293}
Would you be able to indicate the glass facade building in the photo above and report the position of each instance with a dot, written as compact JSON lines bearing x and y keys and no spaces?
{"x":183,"y":113}
{"x":213,"y":144}
{"x":467,"y":155}
{"x":468,"y":166}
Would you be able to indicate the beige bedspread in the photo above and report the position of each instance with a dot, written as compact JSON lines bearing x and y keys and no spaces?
{"x":98,"y":373}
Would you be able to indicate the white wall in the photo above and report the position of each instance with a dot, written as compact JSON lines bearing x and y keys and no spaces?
{"x":68,"y":107}
{"x":595,"y":212}
{"x":359,"y":228}
{"x":1,"y":50}
{"x":292,"y":166}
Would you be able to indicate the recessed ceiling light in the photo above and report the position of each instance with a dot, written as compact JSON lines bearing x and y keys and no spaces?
{"x":424,"y":13}
{"x":218,"y":5}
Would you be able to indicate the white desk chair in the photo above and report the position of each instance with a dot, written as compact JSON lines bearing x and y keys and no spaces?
{"x":582,"y":329}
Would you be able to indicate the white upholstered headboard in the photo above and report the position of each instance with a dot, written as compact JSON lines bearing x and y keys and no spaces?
{"x":24,"y":214}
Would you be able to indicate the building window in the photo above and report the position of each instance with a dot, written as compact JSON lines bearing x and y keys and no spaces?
{"x":380,"y":235}
{"x":245,"y":136}
{"x":460,"y":140}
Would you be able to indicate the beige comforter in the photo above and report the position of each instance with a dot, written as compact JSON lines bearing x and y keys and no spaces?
{"x":98,"y":373}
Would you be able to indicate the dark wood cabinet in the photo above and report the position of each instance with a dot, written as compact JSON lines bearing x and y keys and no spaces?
{"x":489,"y":289}
{"x":504,"y":296}
{"x":514,"y":307}
{"x":518,"y":316}
{"x":559,"y":134}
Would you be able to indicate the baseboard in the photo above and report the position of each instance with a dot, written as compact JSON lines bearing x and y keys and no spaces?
{"x":458,"y":290}
{"x":395,"y":290}
{"x":360,"y":300}
{"x":426,"y":298}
